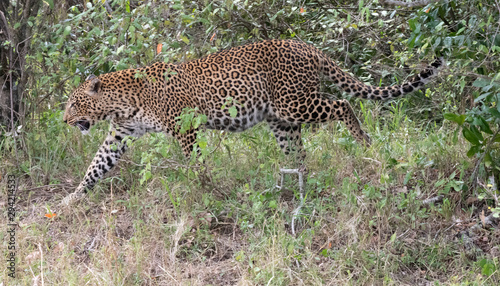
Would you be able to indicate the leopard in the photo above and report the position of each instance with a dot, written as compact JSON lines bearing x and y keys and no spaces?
{"x":276,"y":81}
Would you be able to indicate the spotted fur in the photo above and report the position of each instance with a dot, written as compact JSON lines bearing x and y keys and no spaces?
{"x":273,"y":81}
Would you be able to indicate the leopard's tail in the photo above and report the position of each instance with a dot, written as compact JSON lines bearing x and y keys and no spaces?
{"x":357,"y":88}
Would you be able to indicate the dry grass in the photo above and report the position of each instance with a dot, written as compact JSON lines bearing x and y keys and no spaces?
{"x":362,"y":223}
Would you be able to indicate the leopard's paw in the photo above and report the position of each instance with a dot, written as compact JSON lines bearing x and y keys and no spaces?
{"x":73,"y":198}
{"x":366,"y":140}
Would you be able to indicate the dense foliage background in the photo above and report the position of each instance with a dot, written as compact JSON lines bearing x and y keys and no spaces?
{"x":448,"y":138}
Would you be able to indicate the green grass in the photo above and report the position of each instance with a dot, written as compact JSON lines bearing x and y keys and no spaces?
{"x":223,"y":222}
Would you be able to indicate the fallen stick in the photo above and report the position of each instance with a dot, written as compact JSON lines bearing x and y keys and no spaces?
{"x":432,"y":200}
{"x":299,"y":172}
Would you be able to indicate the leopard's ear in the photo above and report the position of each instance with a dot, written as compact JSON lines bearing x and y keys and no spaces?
{"x":94,"y":87}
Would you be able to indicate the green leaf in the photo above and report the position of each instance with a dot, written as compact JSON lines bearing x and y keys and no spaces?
{"x":240,"y":255}
{"x":51,"y":3}
{"x":473,"y":151}
{"x":494,"y":111}
{"x":232,"y":111}
{"x":481,"y":82}
{"x":477,"y":133}
{"x":197,"y":122}
{"x":497,"y":138}
{"x":436,"y":43}
{"x":120,"y":49}
{"x":439,"y":183}
{"x":488,"y":161}
{"x":324,"y":252}
{"x":392,"y":162}
{"x":202,"y":144}
{"x":470,"y":136}
{"x":127,"y":6}
{"x":185,"y":39}
{"x":360,"y":4}
{"x":411,"y":41}
{"x":452,"y":176}
{"x":407,"y":177}
{"x":164,"y":151}
{"x":76,"y":80}
{"x":447,"y":42}
{"x":121,"y":66}
{"x":487,"y":267}
{"x":483,"y":125}
{"x":460,"y":119}
{"x":482,"y":97}
{"x":273,"y":204}
{"x":67,"y":30}
{"x":393,"y":237}
{"x":411,"y":22}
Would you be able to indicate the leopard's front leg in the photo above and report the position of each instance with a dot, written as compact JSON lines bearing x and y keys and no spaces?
{"x":106,"y":157}
{"x":187,"y":140}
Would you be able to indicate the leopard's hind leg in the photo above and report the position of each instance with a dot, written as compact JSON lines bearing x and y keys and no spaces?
{"x":314,"y":108}
{"x":288,"y":137}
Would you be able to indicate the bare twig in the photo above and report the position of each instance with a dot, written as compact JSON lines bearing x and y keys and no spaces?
{"x":218,"y":145}
{"x":11,"y":87}
{"x":373,"y":160}
{"x":432,"y":200}
{"x":491,"y":190}
{"x":46,"y":186}
{"x":41,"y":264}
{"x":299,"y":172}
{"x":58,"y":86}
{"x":444,"y":231}
{"x":91,"y":247}
{"x":168,"y":273}
{"x":356,"y":8}
{"x":293,"y":30}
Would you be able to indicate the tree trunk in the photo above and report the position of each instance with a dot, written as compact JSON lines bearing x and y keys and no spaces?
{"x":15,"y":29}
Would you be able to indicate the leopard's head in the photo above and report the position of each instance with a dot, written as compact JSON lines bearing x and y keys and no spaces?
{"x":83,"y":107}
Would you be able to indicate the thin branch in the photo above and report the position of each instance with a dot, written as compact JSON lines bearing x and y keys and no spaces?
{"x":491,"y":190}
{"x":293,"y":30}
{"x":11,"y":87}
{"x":409,"y":4}
{"x":44,"y":187}
{"x":373,"y":160}
{"x":356,"y":8}
{"x":48,"y":95}
{"x":433,"y":200}
{"x":301,"y":172}
{"x":41,"y":259}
